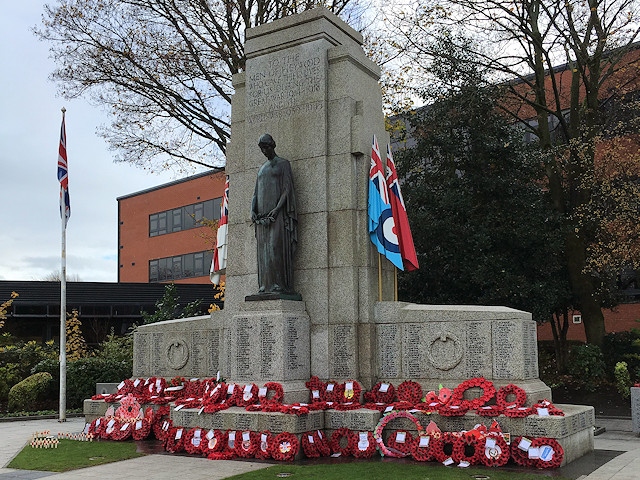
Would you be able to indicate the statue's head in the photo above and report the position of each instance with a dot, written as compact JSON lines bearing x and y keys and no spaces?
{"x":267,"y":140}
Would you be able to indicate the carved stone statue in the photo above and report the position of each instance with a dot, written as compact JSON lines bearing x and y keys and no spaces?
{"x":273,"y":212}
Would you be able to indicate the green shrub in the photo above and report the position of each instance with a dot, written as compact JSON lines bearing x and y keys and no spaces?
{"x":9,"y":376}
{"x":587,"y":366}
{"x":25,"y":395}
{"x":622,"y":347}
{"x":623,"y":379}
{"x":117,"y":348}
{"x":26,"y":355}
{"x":82,"y":376}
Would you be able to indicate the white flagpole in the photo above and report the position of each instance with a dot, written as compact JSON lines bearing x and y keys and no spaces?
{"x":63,"y":311}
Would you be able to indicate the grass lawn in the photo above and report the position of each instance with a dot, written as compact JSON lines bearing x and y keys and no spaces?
{"x":388,"y":470}
{"x":72,"y":454}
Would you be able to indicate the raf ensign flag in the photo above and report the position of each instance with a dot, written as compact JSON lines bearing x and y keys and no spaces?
{"x":382,"y":229}
{"x":403,"y":231}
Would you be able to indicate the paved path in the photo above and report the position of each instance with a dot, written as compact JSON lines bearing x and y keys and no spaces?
{"x":14,"y":435}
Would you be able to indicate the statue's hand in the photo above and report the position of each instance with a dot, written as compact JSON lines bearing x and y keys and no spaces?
{"x":272,"y":214}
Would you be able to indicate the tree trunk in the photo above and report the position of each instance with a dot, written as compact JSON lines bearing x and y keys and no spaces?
{"x":584,"y":290}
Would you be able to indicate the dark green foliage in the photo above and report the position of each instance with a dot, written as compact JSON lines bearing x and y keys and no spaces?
{"x":586,"y":365}
{"x":482,"y":221}
{"x":26,"y":394}
{"x":9,"y":376}
{"x":623,"y":347}
{"x":169,"y":307}
{"x":82,"y":376}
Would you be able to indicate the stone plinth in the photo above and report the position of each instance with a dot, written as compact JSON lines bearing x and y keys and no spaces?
{"x":447,"y":344}
{"x":635,"y":409}
{"x":188,"y":347}
{"x":269,"y":341}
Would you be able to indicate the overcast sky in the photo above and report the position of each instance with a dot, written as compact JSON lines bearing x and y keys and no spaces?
{"x":30,"y":117}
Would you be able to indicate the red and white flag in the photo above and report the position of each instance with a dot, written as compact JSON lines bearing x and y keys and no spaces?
{"x":219,"y":263}
{"x":403,"y":231}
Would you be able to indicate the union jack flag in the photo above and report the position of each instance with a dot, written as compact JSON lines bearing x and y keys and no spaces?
{"x":63,"y":174}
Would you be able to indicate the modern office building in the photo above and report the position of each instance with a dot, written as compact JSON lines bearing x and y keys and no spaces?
{"x":163,"y":235}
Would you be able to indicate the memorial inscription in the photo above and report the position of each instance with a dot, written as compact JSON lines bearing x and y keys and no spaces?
{"x":389,"y":350}
{"x":286,"y":80}
{"x":243,"y":342}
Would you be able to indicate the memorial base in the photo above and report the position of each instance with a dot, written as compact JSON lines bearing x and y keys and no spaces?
{"x":574,"y":430}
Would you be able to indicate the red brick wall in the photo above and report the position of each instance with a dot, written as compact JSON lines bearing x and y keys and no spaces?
{"x":622,"y":318}
{"x":136,"y":248}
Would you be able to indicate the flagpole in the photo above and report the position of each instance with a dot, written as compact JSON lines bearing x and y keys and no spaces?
{"x":395,"y":284}
{"x":379,"y":277}
{"x":63,"y":312}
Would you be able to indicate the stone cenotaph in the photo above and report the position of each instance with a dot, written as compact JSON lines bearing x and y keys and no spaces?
{"x":309,"y":85}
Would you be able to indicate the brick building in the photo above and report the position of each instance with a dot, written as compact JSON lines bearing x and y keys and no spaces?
{"x":161,"y":237}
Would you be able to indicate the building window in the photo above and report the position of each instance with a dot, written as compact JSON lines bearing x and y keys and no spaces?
{"x":189,"y":265}
{"x":184,"y":218}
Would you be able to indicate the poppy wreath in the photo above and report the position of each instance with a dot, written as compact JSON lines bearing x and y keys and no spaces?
{"x":284,"y":447}
{"x":422,"y":449}
{"x":467,"y":448}
{"x":155,"y":386}
{"x":193,"y":388}
{"x":488,"y":392}
{"x":443,"y":446}
{"x":519,"y":456}
{"x":337,"y":446}
{"x":213,"y":442}
{"x":247,"y":395}
{"x":141,"y":429}
{"x":215,"y":394}
{"x":293,"y":409}
{"x":333,"y":392}
{"x":174,"y":441}
{"x":403,"y":405}
{"x":229,"y":397}
{"x":496,"y":455}
{"x":381,"y":407}
{"x":357,"y":441}
{"x":377,"y":432}
{"x":427,"y":407}
{"x":322,"y":442}
{"x":345,"y":407}
{"x":161,"y":429}
{"x":122,"y":430}
{"x":278,"y":392}
{"x":553,"y":410}
{"x":159,"y":416}
{"x":351,"y":392}
{"x":189,"y":402}
{"x":382,"y":392}
{"x":309,"y":443}
{"x":109,"y":427}
{"x":225,"y":455}
{"x":194,"y":441}
{"x":316,"y":389}
{"x":403,"y":445}
{"x":112,"y":398}
{"x":125,"y":387}
{"x":246,"y":443}
{"x":263,"y":452}
{"x":517,"y":412}
{"x":409,"y":391}
{"x":216,"y":407}
{"x":511,"y":389}
{"x":451,"y":410}
{"x":551,"y":452}
{"x":138,"y":387}
{"x":489,"y":410}
{"x":95,"y":427}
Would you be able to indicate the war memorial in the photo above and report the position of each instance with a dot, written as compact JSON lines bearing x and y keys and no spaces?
{"x":309,"y":85}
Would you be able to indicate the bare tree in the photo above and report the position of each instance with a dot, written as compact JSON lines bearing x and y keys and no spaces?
{"x":163,"y":68}
{"x":572,"y":112}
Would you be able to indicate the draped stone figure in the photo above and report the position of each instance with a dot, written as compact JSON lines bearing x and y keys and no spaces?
{"x":273,"y":212}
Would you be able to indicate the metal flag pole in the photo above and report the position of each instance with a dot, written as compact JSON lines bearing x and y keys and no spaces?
{"x":63,"y":306}
{"x":379,"y":277}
